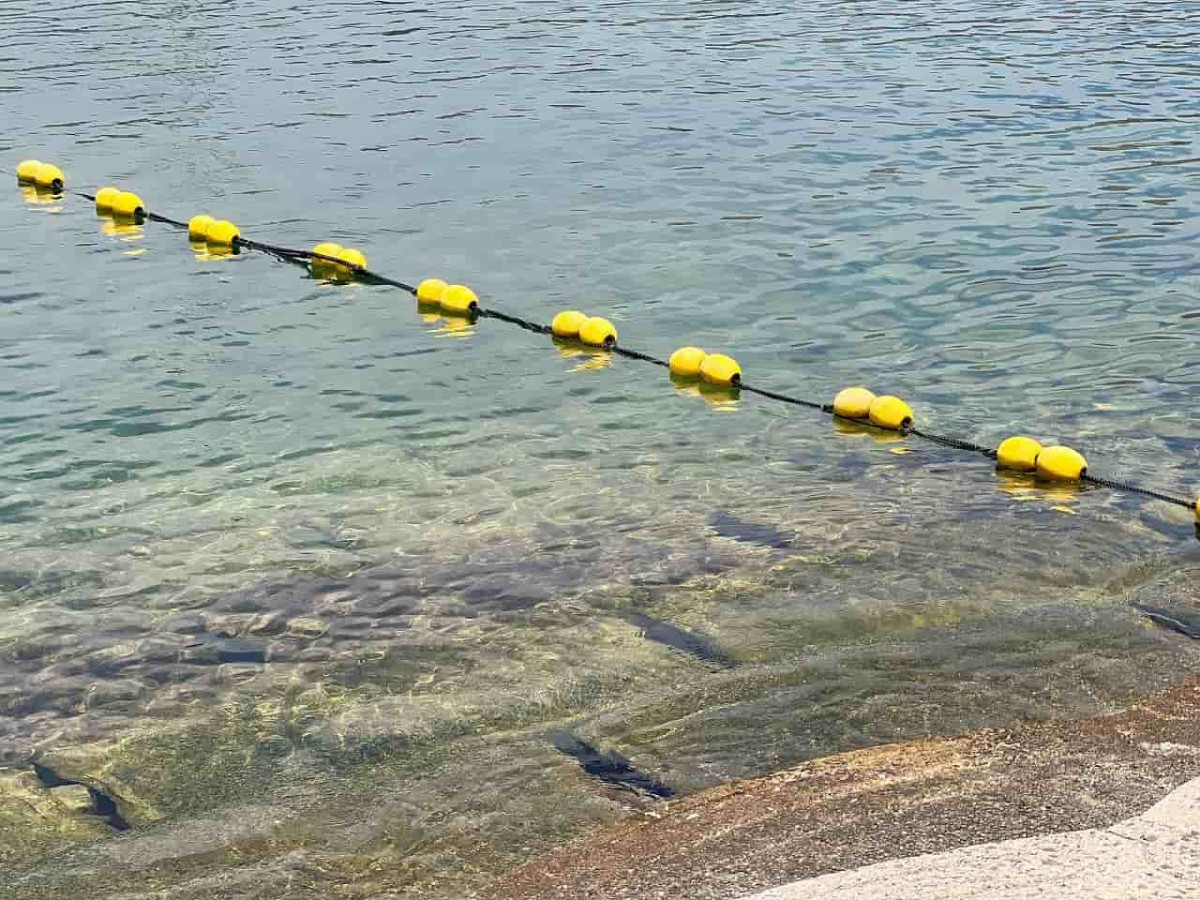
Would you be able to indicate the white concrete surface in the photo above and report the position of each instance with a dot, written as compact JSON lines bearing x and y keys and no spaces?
{"x":1154,"y":856}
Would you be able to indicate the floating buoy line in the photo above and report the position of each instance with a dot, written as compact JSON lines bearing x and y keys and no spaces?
{"x":716,"y":371}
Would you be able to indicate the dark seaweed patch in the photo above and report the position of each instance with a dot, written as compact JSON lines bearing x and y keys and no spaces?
{"x":103,"y":803}
{"x":1185,"y":623}
{"x":611,"y":768}
{"x":215,"y":649}
{"x":681,"y":640}
{"x":728,"y":525}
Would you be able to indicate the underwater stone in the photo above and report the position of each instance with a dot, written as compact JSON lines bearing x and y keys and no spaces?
{"x":74,"y":797}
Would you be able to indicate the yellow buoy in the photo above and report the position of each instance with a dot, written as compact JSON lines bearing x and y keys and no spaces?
{"x":430,"y":290}
{"x":598,"y":332}
{"x":27,"y":170}
{"x":686,"y":362}
{"x":458,"y":298}
{"x":325,"y":268}
{"x":104,"y":200}
{"x":1198,"y":508}
{"x":842,"y":425}
{"x":721,"y":370}
{"x":853,"y":403}
{"x":127,"y":205}
{"x":723,"y":397}
{"x":328,"y":249}
{"x":205,"y":252}
{"x":354,"y":259}
{"x":50,"y":176}
{"x":457,"y":326}
{"x":222,"y":234}
{"x":1061,"y":464}
{"x":1019,"y":453}
{"x":125,"y":229}
{"x":567,"y":324}
{"x":890,"y":412}
{"x":198,"y":227}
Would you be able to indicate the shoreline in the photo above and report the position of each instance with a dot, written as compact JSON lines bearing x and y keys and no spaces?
{"x":867,"y":806}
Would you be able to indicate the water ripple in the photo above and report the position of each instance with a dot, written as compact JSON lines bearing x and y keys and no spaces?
{"x":217,"y":471}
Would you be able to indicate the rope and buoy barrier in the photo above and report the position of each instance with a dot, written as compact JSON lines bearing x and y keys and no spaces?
{"x":857,"y":405}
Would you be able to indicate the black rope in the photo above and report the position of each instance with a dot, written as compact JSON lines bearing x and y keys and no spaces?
{"x":300,"y":257}
{"x":784,"y":398}
{"x":289,"y":254}
{"x":166,"y":220}
{"x":383,"y":279}
{"x":956,"y":443}
{"x":281,"y":252}
{"x":513,"y":320}
{"x":641,"y":357}
{"x":1134,"y":489}
{"x":294,"y":254}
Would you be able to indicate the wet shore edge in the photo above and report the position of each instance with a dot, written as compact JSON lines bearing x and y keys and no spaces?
{"x":867,"y":806}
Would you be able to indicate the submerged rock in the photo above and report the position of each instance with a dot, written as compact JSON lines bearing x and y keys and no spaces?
{"x":73,"y":797}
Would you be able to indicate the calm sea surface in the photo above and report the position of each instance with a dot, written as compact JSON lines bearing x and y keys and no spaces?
{"x":331,"y":597}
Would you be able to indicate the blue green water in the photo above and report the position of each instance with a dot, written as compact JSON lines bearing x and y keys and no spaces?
{"x":225,"y":486}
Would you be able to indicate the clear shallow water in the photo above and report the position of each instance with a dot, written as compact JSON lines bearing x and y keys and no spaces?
{"x":304,"y":519}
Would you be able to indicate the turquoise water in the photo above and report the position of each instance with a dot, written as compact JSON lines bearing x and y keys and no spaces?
{"x":304,"y":518}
